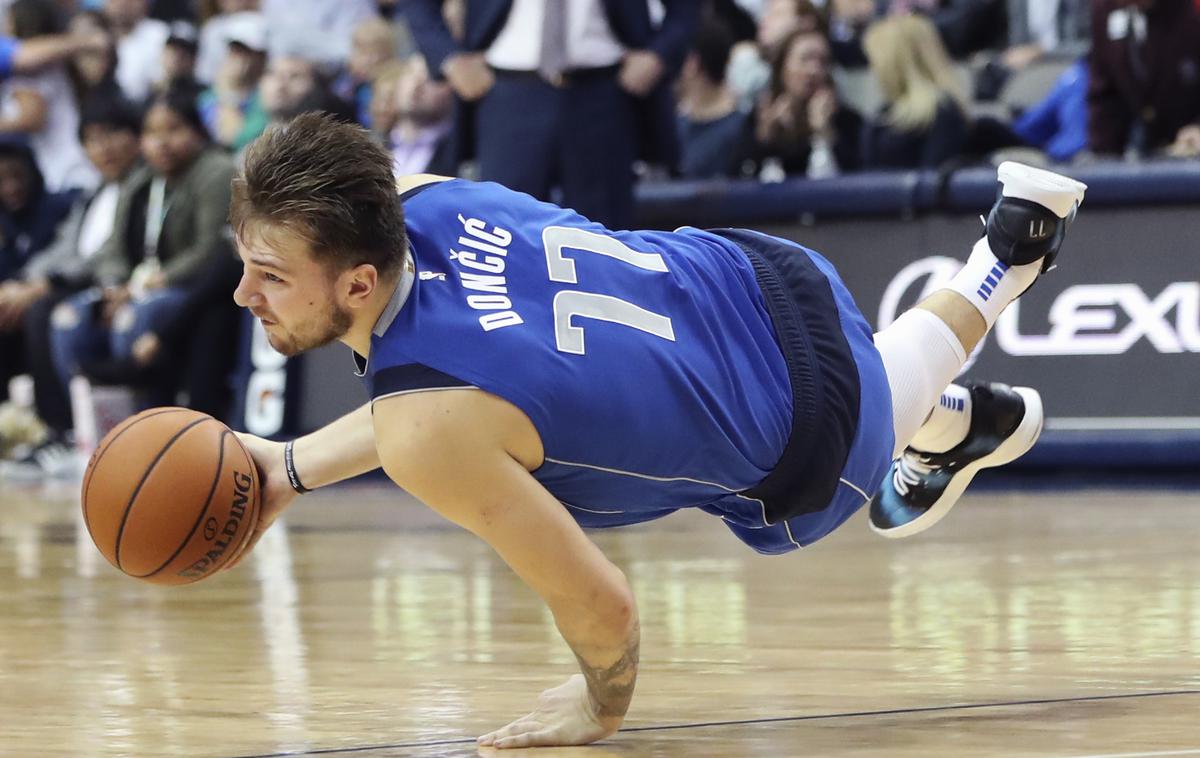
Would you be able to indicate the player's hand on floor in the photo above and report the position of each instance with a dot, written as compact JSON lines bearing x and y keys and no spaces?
{"x":565,"y":715}
{"x":275,"y":494}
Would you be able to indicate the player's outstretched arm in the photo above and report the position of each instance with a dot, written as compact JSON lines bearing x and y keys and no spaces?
{"x":337,"y":451}
{"x":467,"y":455}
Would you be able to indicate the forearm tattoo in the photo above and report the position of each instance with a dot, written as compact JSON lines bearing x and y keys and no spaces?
{"x":611,"y":687}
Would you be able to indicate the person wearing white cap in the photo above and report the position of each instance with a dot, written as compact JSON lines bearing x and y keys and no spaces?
{"x":232,"y":100}
{"x":214,"y":36}
{"x":140,"y":42}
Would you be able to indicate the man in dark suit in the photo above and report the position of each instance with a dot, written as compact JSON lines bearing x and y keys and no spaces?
{"x":1144,"y":93}
{"x":564,"y":94}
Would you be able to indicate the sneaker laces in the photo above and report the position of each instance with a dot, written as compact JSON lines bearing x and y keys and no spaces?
{"x":911,"y":469}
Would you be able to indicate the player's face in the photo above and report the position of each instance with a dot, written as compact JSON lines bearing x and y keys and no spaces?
{"x":290,"y":292}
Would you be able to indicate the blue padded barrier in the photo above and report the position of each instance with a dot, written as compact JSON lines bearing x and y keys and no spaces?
{"x":898,"y":194}
{"x":744,"y":202}
{"x":1109,"y":184}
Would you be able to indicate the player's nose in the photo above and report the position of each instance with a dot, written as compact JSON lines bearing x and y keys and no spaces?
{"x":245,"y":295}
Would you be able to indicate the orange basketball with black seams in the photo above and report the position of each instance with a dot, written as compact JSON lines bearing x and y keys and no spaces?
{"x":170,"y":496}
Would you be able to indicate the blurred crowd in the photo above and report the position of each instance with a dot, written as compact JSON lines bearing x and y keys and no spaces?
{"x":122,"y":121}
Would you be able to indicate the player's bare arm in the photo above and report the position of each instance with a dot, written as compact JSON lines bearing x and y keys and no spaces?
{"x":335,"y":452}
{"x":467,"y":455}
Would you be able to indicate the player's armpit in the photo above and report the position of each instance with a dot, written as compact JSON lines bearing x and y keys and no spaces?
{"x":451,"y":449}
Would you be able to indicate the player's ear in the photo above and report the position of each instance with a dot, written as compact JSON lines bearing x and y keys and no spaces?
{"x":360,"y":283}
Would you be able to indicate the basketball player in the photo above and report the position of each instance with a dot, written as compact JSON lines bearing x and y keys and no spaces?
{"x":533,"y":373}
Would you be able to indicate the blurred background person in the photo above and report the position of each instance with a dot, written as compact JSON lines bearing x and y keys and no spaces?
{"x":848,"y":22}
{"x":412,"y":115}
{"x":749,"y":69}
{"x":179,"y":61}
{"x":216,"y":17}
{"x":170,"y":241}
{"x":801,"y":127}
{"x":29,"y":216}
{"x":31,"y":55}
{"x":322,"y":29}
{"x":1058,"y":123}
{"x":93,"y":72}
{"x":558,"y":100}
{"x":109,"y":129}
{"x":713,"y":133}
{"x":41,"y":107}
{"x":924,"y":122}
{"x":230,"y":107}
{"x":1144,"y":90}
{"x":374,"y":45}
{"x":293,"y":84}
{"x":140,"y":41}
{"x":964,"y":26}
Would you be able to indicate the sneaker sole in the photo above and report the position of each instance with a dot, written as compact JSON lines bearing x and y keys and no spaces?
{"x":1061,"y":194}
{"x":1017,"y":444}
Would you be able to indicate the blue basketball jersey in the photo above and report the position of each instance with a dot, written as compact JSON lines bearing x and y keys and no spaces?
{"x":646,"y":361}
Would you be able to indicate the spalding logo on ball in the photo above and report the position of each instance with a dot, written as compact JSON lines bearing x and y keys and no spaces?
{"x":170,"y":496}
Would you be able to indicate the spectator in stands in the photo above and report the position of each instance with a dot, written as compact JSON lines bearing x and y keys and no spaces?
{"x":109,"y":131}
{"x":217,"y":19}
{"x":713,"y":133}
{"x":800,"y":125}
{"x":749,"y":70}
{"x":322,"y":29}
{"x":31,"y":55}
{"x":924,"y":121}
{"x":169,"y":237}
{"x":572,"y":110}
{"x":179,"y":61}
{"x":29,"y":214}
{"x":41,"y":107}
{"x":1058,"y":124}
{"x":231,"y":108}
{"x":293,"y":85}
{"x":1039,"y":27}
{"x":1144,"y":93}
{"x":374,"y":45}
{"x":94,"y":72}
{"x":1036,"y":28}
{"x":848,"y":22}
{"x":29,"y":211}
{"x":412,"y":114}
{"x":965,"y":26}
{"x":140,"y":41}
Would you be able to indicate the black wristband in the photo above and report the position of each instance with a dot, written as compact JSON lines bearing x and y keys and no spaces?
{"x":290,"y":466}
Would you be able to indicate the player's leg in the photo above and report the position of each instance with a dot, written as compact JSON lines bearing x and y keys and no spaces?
{"x":946,"y":433}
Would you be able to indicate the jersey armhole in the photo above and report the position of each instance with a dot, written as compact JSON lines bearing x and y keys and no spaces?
{"x":411,"y":378}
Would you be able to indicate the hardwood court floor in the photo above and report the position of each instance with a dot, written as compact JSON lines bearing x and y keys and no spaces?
{"x":1048,"y":624}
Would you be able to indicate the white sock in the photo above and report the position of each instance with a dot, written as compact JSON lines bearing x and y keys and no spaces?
{"x":990,"y":285}
{"x":921,"y":355}
{"x":948,"y":422}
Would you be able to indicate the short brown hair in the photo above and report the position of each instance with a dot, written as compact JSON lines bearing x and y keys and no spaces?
{"x":328,"y":183}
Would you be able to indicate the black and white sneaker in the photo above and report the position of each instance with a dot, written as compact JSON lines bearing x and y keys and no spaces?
{"x":1029,"y":221}
{"x":920,"y":488}
{"x":50,"y":461}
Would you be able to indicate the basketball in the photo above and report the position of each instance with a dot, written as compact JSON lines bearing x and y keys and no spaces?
{"x":170,"y":496}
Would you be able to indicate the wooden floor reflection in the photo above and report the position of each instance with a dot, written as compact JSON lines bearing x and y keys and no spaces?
{"x":1047,"y":624}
